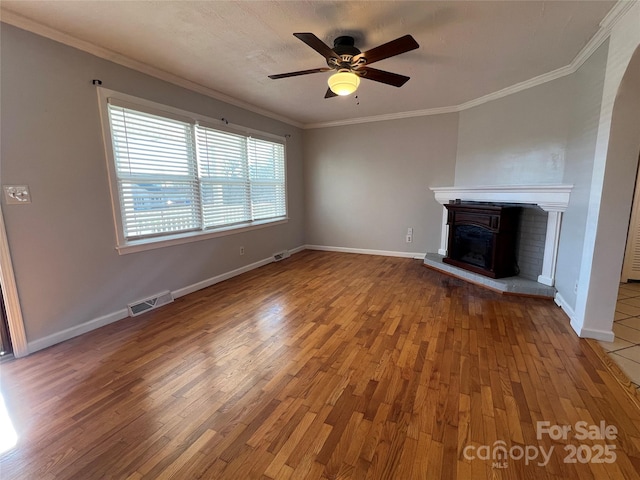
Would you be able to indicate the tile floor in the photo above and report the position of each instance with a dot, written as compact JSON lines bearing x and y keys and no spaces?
{"x":625,"y":349}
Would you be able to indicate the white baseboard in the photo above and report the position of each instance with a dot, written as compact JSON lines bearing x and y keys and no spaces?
{"x":220,"y":278}
{"x":71,"y":332}
{"x":562,"y":303}
{"x":293,"y":251}
{"x":603,"y":335}
{"x":365,"y":251}
{"x":95,"y":323}
{"x":85,"y":327}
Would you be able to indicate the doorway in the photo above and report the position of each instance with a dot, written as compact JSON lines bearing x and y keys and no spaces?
{"x":5,"y":338}
{"x":631,"y":261}
{"x":9,"y":301}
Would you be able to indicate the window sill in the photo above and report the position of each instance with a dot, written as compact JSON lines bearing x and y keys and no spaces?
{"x":179,"y":239}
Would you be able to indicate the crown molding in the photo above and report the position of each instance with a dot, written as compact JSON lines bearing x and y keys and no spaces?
{"x":606,"y":25}
{"x":533,"y":82}
{"x":518,"y":87}
{"x":104,"y":53}
{"x":382,"y":118}
{"x":617,"y":11}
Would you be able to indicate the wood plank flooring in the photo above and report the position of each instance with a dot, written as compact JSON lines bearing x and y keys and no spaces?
{"x":329,"y":366}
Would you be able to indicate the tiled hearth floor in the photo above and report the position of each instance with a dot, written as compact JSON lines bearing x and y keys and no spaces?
{"x":625,"y":349}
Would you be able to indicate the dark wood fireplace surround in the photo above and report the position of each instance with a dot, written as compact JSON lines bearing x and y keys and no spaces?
{"x":482,"y":237}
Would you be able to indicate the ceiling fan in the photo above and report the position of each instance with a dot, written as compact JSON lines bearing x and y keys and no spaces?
{"x":350,"y":64}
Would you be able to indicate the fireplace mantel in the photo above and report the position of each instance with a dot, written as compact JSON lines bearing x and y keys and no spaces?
{"x":551,"y":198}
{"x":554,"y":199}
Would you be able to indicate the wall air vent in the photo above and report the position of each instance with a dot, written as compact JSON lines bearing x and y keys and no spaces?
{"x":281,"y":255}
{"x":151,"y":303}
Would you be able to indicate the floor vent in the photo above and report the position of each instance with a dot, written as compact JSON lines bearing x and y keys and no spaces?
{"x":281,"y":255}
{"x":150,"y":303}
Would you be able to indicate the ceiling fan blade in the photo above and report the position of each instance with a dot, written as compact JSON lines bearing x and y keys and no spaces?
{"x":301,"y":72}
{"x":317,"y":44}
{"x":383,"y":77}
{"x":330,"y":94}
{"x":389,"y":49}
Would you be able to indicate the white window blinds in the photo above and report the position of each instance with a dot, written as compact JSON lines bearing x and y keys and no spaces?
{"x":223,"y":170}
{"x":157,"y":176}
{"x":242,"y":178}
{"x":174,"y":176}
{"x":266,"y":176}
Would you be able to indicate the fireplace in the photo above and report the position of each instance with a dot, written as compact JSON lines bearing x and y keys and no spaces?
{"x":553,"y":199}
{"x":482,"y":237}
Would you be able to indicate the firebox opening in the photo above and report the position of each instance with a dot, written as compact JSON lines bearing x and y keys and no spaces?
{"x":473,"y":245}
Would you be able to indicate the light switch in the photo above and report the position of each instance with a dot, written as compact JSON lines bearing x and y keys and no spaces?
{"x":16,"y":194}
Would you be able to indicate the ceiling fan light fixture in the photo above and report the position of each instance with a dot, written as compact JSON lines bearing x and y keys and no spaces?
{"x":344,"y":83}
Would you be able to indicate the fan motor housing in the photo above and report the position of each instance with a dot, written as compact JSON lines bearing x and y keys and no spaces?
{"x":344,"y":45}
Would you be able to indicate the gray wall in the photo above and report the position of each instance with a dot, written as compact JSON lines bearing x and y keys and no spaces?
{"x":357,"y":186}
{"x":515,"y":140}
{"x":546,"y":134}
{"x":586,"y":96}
{"x":365,"y":184}
{"x":62,"y":244}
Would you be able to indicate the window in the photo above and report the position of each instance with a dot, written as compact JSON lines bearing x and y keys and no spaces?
{"x":242,"y":178}
{"x":174,"y":176}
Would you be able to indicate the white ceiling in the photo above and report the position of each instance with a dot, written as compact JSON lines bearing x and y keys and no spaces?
{"x":468,"y":49}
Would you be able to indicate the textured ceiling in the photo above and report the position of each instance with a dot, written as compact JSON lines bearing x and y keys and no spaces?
{"x":467,"y":49}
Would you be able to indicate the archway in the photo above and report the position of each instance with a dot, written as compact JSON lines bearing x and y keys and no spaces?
{"x":615,"y":201}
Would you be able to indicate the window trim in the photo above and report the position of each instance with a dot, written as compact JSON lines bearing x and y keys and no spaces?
{"x":124,"y":246}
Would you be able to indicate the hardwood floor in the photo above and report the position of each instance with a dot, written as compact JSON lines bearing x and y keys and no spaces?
{"x":324,"y":365}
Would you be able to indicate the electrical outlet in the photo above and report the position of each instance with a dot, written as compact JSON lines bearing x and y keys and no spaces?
{"x":575,"y":288}
{"x":241,"y":250}
{"x":409,"y":238}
